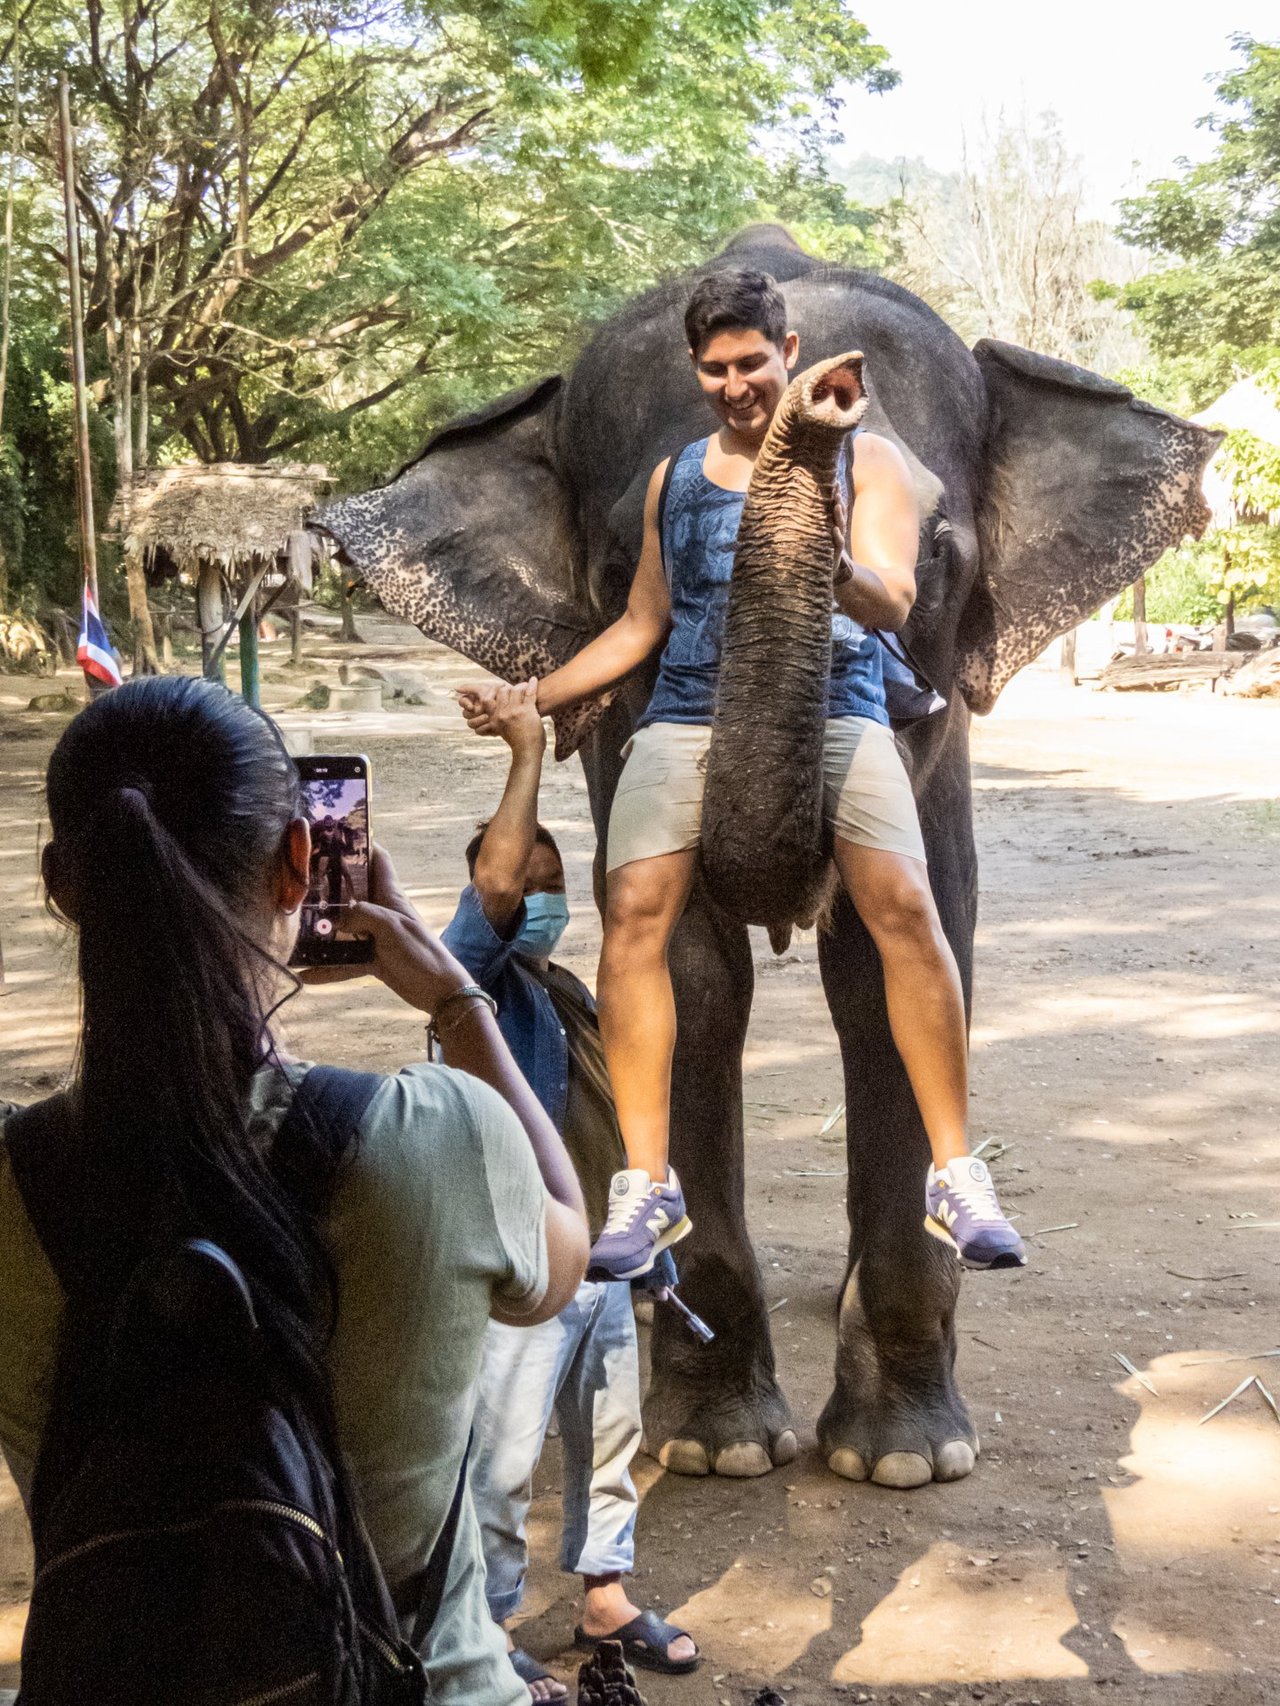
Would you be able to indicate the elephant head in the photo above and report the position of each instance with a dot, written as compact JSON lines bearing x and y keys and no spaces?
{"x":1045,"y":489}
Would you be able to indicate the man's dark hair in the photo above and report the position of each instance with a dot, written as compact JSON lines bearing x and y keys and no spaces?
{"x":735,"y":301}
{"x":473,"y":846}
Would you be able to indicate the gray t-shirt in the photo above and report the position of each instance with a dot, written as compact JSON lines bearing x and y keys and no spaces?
{"x":441,"y":1214}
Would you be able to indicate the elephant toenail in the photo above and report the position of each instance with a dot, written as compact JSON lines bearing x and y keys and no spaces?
{"x":902,"y":1469}
{"x":953,"y":1461}
{"x":684,"y":1457}
{"x":785,"y":1448}
{"x":744,"y":1458}
{"x":847,"y":1462}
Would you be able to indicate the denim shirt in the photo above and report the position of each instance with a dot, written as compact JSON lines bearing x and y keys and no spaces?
{"x":526,"y":1016}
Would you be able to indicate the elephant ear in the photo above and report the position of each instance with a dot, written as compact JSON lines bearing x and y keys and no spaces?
{"x":1084,"y":487}
{"x":474,"y":542}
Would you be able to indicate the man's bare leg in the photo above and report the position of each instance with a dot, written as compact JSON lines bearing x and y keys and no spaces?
{"x":644,"y":903}
{"x":921,"y":984}
{"x":926,"y":1016}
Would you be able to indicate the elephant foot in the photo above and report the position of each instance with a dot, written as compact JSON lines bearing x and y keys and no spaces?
{"x":693,"y":1433}
{"x":894,"y":1418}
{"x":951,"y":1461}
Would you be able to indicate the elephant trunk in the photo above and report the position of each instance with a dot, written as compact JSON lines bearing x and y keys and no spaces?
{"x":764,"y":848}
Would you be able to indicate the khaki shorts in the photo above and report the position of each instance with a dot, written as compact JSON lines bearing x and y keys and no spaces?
{"x":658,"y":806}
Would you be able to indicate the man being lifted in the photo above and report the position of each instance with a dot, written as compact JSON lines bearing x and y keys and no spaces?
{"x":743,"y":355}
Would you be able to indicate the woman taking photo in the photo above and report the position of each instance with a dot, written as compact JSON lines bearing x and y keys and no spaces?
{"x":179,"y":853}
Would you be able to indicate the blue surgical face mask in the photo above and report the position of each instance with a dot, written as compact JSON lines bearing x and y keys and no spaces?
{"x":545,"y":917}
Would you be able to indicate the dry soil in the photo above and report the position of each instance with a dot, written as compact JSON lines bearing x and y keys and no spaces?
{"x":1108,"y":1546}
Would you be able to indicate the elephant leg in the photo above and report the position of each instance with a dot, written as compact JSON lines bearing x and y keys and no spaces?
{"x":714,"y":1408}
{"x":895,"y":1415}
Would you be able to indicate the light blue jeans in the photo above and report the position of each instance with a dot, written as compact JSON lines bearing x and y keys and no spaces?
{"x":586,"y":1365}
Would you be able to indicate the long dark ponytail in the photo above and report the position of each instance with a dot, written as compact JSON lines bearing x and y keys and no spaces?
{"x":169,"y":800}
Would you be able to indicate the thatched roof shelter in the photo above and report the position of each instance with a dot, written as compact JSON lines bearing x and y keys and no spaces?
{"x":231,"y":514}
{"x":1242,"y":407}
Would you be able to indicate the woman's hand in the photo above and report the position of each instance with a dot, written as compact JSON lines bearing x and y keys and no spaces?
{"x":410,"y":959}
{"x":508,"y":711}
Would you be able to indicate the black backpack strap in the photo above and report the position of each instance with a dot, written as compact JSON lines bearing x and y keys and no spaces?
{"x":422,"y":1594}
{"x":897,"y":647}
{"x":36,"y":1140}
{"x":662,"y":504}
{"x":333,"y":1099}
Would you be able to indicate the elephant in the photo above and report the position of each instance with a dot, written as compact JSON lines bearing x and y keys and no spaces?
{"x":1044,"y":489}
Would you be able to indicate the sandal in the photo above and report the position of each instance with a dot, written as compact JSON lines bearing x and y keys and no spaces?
{"x":645,"y":1641}
{"x":530,"y":1671}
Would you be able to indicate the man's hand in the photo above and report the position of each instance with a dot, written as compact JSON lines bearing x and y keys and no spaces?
{"x":510,"y":712}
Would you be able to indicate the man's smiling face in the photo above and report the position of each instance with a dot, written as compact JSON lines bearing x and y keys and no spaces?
{"x":743,"y":376}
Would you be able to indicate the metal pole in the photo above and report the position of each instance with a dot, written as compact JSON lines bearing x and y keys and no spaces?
{"x":84,"y":468}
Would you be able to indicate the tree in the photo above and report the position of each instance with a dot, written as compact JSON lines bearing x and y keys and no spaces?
{"x":1005,"y":249}
{"x":299,"y":212}
{"x":1211,"y":308}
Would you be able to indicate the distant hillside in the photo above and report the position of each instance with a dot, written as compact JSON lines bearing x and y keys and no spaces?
{"x":873,"y":181}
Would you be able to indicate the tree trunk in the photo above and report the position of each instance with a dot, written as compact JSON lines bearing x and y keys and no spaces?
{"x":1067,"y":663}
{"x":1140,"y":646}
{"x":348,"y":630}
{"x":6,"y":284}
{"x":145,"y":660}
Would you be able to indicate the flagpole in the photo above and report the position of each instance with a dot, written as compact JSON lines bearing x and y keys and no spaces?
{"x":84,"y":468}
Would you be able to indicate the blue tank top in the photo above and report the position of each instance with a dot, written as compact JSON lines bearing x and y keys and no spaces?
{"x":699,"y":532}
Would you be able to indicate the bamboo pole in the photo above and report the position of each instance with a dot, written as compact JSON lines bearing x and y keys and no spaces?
{"x":6,"y":285}
{"x":84,"y":467}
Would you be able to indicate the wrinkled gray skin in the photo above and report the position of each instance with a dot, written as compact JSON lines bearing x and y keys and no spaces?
{"x":513,"y":537}
{"x":765,"y":853}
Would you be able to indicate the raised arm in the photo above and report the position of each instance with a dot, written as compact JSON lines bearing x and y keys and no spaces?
{"x":508,"y":842}
{"x":876,"y":580}
{"x":623,"y":645}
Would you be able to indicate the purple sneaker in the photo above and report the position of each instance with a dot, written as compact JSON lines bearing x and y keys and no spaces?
{"x":644,"y":1219}
{"x":963,"y":1211}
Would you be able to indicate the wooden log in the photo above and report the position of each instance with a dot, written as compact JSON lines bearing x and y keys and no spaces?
{"x":1169,"y":669}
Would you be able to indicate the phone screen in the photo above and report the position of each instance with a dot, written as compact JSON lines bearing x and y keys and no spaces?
{"x":335,"y":792}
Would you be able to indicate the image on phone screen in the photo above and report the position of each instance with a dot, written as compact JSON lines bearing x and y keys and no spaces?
{"x":335,"y":792}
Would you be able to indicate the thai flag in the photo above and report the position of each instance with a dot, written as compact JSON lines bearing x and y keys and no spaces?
{"x":93,"y":649}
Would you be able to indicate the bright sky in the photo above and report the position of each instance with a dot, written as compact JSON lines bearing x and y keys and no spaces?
{"x":1127,"y":78}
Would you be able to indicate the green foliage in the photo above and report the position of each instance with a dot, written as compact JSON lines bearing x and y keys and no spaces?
{"x":1211,"y":311}
{"x":324,"y":231}
{"x":1194,"y":583}
{"x":1252,"y":467}
{"x":1178,"y":588}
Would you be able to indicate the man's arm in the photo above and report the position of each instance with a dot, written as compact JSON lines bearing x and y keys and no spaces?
{"x":508,"y":841}
{"x":879,"y":584}
{"x":622,"y":647}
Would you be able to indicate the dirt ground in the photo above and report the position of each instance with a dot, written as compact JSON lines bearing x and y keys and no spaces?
{"x":1108,"y":1546}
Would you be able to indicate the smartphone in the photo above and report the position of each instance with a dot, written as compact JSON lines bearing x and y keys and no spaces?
{"x":335,"y":791}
